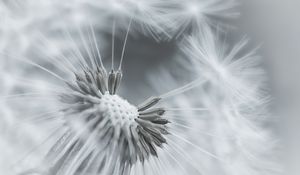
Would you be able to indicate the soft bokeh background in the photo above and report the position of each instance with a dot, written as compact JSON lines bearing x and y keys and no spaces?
{"x":276,"y":24}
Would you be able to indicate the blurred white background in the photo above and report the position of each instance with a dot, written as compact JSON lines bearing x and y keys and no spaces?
{"x":276,"y":23}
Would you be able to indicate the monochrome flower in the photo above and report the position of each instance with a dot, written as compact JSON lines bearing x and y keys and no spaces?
{"x":207,"y":109}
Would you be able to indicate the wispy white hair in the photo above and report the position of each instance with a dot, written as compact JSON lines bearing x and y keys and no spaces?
{"x":26,"y":24}
{"x":235,"y":103}
{"x":191,"y":15}
{"x":16,"y":142}
{"x":158,"y":19}
{"x":227,"y":68}
{"x":147,"y":16}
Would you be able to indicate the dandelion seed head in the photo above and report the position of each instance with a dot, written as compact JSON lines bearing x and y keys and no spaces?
{"x":118,"y":110}
{"x":131,"y":133}
{"x":97,"y":131}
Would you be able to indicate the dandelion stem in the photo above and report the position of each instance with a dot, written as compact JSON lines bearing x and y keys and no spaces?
{"x":183,"y":89}
{"x":196,"y":146}
{"x":92,"y":45}
{"x":67,"y":65}
{"x":36,"y":65}
{"x":198,"y":131}
{"x":23,"y":94}
{"x":113,"y":44}
{"x":41,"y":116}
{"x":125,"y":42}
{"x":186,"y":109}
{"x":47,"y":139}
{"x":96,"y":45}
{"x":77,"y":52}
{"x":183,"y":154}
{"x":90,"y":56}
{"x":176,"y":160}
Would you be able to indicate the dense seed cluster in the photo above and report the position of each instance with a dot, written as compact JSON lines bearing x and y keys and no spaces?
{"x":121,"y":133}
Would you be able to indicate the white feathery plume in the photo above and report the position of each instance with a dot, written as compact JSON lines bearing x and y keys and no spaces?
{"x":237,"y":104}
{"x":147,"y":16}
{"x":230,"y":70}
{"x":191,"y":15}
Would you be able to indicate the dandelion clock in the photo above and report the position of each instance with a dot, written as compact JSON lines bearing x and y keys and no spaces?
{"x":68,"y":109}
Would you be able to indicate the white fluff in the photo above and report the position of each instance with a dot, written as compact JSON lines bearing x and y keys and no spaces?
{"x":215,"y":96}
{"x":227,"y":114}
{"x":192,"y":15}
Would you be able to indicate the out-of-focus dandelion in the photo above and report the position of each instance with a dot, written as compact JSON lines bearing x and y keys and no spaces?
{"x":226,"y":68}
{"x":192,"y":15}
{"x":237,"y":104}
{"x":147,"y":16}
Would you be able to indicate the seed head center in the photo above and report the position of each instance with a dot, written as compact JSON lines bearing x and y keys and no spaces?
{"x":118,"y":110}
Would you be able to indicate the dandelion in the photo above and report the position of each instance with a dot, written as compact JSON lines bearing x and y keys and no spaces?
{"x":125,"y":133}
{"x":100,"y":131}
{"x":96,"y":131}
{"x":208,"y":125}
